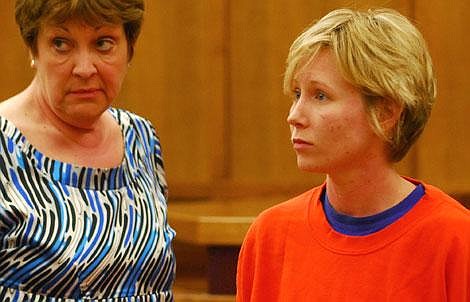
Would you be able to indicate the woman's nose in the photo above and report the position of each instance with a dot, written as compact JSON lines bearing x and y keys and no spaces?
{"x":85,"y":65}
{"x":296,"y":117}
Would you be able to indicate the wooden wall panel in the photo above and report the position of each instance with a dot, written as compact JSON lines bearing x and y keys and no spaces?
{"x":260,"y":37}
{"x":209,"y":76}
{"x":444,"y":149}
{"x":177,"y":80}
{"x":16,"y":72}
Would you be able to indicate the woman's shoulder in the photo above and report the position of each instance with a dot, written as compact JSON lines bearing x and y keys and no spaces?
{"x":291,"y":209}
{"x":447,"y":208}
{"x":446,"y":217}
{"x":14,"y":115}
{"x":137,"y":124}
{"x":10,"y":106}
{"x":126,"y":117}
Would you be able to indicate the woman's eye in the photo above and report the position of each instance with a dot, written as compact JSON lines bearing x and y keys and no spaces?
{"x":297,"y":94}
{"x":321,"y":96}
{"x":105,"y":44}
{"x":61,"y":44}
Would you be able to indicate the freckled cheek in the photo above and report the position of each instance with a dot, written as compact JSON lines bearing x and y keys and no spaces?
{"x":333,"y":124}
{"x":341,"y":133}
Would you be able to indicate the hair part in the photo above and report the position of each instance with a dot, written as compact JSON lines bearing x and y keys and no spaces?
{"x":383,"y":54}
{"x":32,"y":14}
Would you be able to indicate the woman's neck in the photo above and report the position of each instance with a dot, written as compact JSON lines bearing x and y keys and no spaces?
{"x":100,"y":145}
{"x":366,"y":192}
{"x":85,"y":134}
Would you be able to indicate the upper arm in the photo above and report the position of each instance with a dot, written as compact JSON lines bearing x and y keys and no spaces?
{"x":246,"y":266}
{"x":458,"y":266}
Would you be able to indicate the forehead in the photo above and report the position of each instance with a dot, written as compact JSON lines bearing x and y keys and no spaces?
{"x":322,"y":65}
{"x":323,"y":71}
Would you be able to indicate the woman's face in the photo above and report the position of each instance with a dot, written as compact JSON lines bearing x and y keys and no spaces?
{"x":328,"y":120}
{"x":80,"y":69}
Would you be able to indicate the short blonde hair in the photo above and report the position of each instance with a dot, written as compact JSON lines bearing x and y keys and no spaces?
{"x":385,"y":56}
{"x":32,"y":14}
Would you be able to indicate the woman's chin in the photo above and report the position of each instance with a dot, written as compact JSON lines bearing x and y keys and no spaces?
{"x":310,"y":167}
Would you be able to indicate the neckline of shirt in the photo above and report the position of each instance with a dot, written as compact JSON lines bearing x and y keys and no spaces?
{"x":21,"y":151}
{"x":339,"y":243}
{"x":360,"y":226}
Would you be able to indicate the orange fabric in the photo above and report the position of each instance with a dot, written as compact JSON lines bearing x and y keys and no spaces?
{"x":292,"y":254}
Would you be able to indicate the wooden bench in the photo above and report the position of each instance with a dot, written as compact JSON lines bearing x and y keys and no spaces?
{"x":220,"y":226}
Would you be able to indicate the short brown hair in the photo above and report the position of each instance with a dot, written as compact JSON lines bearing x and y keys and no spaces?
{"x":32,"y":14}
{"x":383,"y":54}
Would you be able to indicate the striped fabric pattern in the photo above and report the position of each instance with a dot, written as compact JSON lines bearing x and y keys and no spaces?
{"x":71,"y":233}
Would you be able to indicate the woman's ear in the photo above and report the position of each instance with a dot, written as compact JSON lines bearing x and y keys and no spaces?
{"x":389,"y":113}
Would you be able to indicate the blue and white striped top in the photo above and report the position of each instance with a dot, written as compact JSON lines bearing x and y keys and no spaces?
{"x":71,"y":233}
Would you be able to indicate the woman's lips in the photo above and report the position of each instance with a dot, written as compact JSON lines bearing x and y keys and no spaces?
{"x":300,"y":144}
{"x":85,"y":93}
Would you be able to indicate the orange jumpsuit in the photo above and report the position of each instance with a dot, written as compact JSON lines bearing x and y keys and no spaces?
{"x":291,"y":253}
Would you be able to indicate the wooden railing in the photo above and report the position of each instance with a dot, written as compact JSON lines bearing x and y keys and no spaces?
{"x":220,"y":227}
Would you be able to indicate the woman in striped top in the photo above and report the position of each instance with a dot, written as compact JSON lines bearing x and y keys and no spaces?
{"x":82,"y":186}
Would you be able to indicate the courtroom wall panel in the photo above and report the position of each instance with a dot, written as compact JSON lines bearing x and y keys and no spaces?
{"x":177,"y":80}
{"x":16,"y":72}
{"x":208,"y":74}
{"x":444,"y":150}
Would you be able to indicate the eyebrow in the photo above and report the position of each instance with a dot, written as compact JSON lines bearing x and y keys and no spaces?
{"x":320,"y":84}
{"x":59,"y":26}
{"x":316,"y":82}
